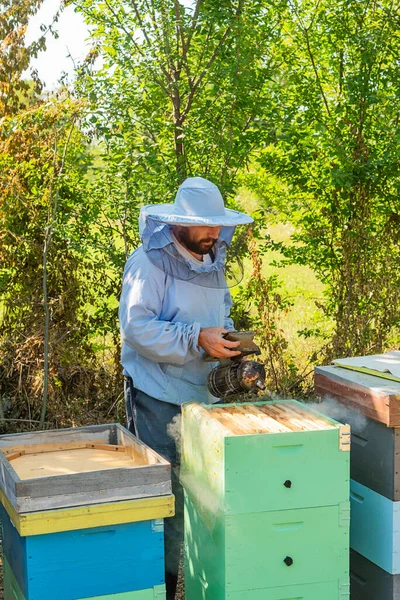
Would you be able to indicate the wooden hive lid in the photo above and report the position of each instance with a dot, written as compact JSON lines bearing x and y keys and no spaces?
{"x":275,"y":417}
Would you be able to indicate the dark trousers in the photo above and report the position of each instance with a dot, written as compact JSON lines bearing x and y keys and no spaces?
{"x":157,"y":424}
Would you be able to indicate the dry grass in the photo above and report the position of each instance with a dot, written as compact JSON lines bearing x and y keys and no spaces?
{"x":298,"y":285}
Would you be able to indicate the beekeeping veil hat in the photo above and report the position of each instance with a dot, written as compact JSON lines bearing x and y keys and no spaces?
{"x":198,"y":202}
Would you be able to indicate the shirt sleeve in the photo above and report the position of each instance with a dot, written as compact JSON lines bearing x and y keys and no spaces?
{"x":228,"y":322}
{"x":139,"y":314}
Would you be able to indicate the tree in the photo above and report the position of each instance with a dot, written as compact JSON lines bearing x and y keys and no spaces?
{"x":58,"y":288}
{"x":181,"y":89}
{"x":15,"y":56}
{"x":335,"y":159}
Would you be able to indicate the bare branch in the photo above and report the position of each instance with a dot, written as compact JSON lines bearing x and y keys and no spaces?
{"x":179,"y":27}
{"x":203,"y":73}
{"x":210,"y":61}
{"x":193,"y":25}
{"x":305,"y":31}
{"x":134,"y":42}
{"x":124,"y":29}
{"x":141,"y":23}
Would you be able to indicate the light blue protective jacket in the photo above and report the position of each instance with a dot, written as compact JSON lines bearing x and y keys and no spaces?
{"x":162,"y":310}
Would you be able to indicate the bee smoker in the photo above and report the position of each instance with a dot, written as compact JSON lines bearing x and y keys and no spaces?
{"x":237,"y":375}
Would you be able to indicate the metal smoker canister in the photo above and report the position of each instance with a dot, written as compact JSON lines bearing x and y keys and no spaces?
{"x":236,"y":378}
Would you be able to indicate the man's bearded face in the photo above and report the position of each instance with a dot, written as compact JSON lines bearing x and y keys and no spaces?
{"x":197,"y":239}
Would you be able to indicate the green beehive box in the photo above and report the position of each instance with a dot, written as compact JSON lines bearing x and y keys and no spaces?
{"x":266,"y":508}
{"x":265,"y":456}
{"x":267,"y":551}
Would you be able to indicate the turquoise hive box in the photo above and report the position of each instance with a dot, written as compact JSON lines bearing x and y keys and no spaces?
{"x":266,"y":503}
{"x":365,"y":390}
{"x":60,"y":541}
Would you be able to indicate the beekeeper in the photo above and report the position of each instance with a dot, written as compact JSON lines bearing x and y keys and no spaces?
{"x":175,"y":306}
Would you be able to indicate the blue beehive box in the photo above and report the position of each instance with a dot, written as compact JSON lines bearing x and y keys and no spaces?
{"x":110,"y":550}
{"x":85,"y":563}
{"x":375,"y":527}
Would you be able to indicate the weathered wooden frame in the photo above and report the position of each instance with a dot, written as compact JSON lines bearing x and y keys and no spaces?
{"x":62,"y":491}
{"x":375,"y":397}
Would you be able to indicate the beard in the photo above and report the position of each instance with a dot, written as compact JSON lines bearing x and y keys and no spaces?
{"x":201,"y":246}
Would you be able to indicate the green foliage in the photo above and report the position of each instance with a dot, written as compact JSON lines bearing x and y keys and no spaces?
{"x":15,"y":56}
{"x":54,"y":230}
{"x":296,"y":101}
{"x":335,"y":164}
{"x":181,"y":89}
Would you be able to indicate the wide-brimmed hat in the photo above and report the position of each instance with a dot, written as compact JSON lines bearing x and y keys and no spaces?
{"x":197,"y":202}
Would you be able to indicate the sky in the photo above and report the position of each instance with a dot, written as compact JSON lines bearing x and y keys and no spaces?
{"x":74,"y":39}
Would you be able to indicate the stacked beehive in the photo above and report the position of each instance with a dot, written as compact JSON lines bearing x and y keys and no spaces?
{"x":266,"y":503}
{"x":82,"y":515}
{"x":371,"y":396}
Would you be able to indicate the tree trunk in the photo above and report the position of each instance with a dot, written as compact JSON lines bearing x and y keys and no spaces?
{"x":179,"y":140}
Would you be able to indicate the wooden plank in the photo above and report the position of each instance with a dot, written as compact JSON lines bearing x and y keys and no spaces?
{"x":373,"y":396}
{"x":8,"y":477}
{"x":42,"y":448}
{"x":311,"y":415}
{"x":90,"y":482}
{"x":288,"y":418}
{"x":274,"y":412}
{"x":62,"y":463}
{"x":201,"y":412}
{"x":239,"y":421}
{"x":374,"y":405}
{"x":304,"y":420}
{"x":263,"y":422}
{"x":107,"y":447}
{"x":14,"y":455}
{"x":277,"y":417}
{"x":73,"y":434}
{"x":236,"y":427}
{"x":26,"y":504}
{"x":87,"y":517}
{"x":239,"y":416}
{"x":377,"y":415}
{"x":226,"y":421}
{"x":268,"y":422}
{"x":138,"y":448}
{"x":364,"y":397}
{"x":253,"y":420}
{"x":360,"y":381}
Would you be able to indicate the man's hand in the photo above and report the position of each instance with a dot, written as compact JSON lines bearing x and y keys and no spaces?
{"x":211,"y":340}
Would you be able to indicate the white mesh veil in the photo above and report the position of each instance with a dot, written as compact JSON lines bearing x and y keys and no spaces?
{"x":220,"y":269}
